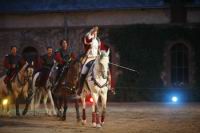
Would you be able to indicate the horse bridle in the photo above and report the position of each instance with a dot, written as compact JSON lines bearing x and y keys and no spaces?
{"x":103,"y":72}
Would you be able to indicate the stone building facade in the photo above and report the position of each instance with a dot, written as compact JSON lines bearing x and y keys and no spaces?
{"x":33,"y":25}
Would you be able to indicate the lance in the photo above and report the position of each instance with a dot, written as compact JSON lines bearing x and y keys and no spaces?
{"x":123,"y":67}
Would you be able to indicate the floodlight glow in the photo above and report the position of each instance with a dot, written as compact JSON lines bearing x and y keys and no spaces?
{"x":174,"y":99}
{"x":5,"y":102}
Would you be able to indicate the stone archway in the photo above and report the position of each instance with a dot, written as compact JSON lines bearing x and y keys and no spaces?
{"x":30,"y":54}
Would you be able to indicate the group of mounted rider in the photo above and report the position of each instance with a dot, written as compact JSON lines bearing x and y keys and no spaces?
{"x":85,"y":74}
{"x":62,"y":57}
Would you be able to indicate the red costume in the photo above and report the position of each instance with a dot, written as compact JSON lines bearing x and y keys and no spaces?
{"x":11,"y":63}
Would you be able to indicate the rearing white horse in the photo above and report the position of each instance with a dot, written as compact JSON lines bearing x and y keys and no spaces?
{"x":96,"y":83}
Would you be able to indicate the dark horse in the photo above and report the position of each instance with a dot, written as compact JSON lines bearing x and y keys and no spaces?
{"x":66,"y":89}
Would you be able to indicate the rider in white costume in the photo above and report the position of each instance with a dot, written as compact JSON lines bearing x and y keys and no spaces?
{"x":93,"y":42}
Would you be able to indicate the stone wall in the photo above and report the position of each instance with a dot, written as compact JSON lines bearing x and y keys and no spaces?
{"x":23,"y":38}
{"x":39,"y":38}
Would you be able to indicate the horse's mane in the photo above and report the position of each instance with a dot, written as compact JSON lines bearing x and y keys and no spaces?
{"x":100,"y":56}
{"x":73,"y":72}
{"x":21,"y":64}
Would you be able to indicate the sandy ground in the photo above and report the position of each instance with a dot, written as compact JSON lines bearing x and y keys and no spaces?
{"x":121,"y":118}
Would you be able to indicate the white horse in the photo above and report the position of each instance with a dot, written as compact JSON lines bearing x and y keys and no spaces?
{"x":45,"y":92}
{"x":96,"y":84}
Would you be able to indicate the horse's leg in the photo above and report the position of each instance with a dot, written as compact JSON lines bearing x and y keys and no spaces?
{"x":55,"y":99}
{"x":83,"y":110}
{"x":93,"y":115}
{"x":17,"y":106}
{"x":32,"y":103}
{"x":65,"y":107}
{"x":45,"y":103}
{"x":58,"y":105}
{"x":104,"y":102}
{"x":28,"y":101}
{"x":38,"y":98}
{"x":52,"y":102}
{"x":95,"y":97}
{"x":35,"y":91}
{"x":34,"y":94}
{"x":77,"y":110}
{"x":26,"y":106}
{"x":34,"y":99}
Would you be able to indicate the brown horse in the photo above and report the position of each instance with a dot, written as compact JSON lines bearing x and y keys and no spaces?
{"x":21,"y":86}
{"x":66,"y":89}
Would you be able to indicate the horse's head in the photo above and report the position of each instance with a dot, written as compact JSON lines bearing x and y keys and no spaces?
{"x":53,"y":73}
{"x":73,"y":73}
{"x":103,"y":60}
{"x":28,"y":70}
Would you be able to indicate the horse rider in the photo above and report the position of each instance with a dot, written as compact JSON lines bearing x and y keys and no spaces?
{"x":46,"y":61}
{"x":63,"y":56}
{"x":11,"y":64}
{"x":92,"y":45}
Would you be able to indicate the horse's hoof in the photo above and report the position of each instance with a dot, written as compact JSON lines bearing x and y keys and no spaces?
{"x":59,"y":114}
{"x":78,"y":120}
{"x":84,"y":122}
{"x":24,"y":112}
{"x":63,"y":118}
{"x":17,"y":114}
{"x":94,"y":124}
{"x":98,"y":125}
{"x":48,"y":114}
{"x":54,"y":113}
{"x":102,"y":123}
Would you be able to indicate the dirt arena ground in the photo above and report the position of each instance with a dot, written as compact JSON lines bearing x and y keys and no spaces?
{"x":121,"y":118}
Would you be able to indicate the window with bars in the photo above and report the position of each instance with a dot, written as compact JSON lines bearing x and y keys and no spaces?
{"x":179,"y":65}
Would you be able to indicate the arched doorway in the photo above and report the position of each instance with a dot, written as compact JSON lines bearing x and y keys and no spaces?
{"x":30,"y":54}
{"x":179,"y":54}
{"x":178,"y":64}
